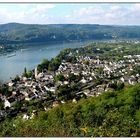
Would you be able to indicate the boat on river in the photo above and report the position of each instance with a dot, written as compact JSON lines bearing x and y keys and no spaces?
{"x":11,"y":55}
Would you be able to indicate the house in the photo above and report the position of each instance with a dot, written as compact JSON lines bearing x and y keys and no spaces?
{"x":24,"y":79}
{"x":26,"y":116}
{"x":40,"y":75}
{"x":76,"y":73}
{"x":92,"y":93}
{"x":63,"y":102}
{"x":1,"y":97}
{"x":2,"y":113}
{"x":30,"y":96}
{"x":21,"y":97}
{"x":86,"y":92}
{"x":122,"y":79}
{"x":74,"y":100}
{"x":14,"y":93}
{"x":66,"y":82}
{"x":24,"y":93}
{"x":9,"y":102}
{"x":132,"y":80}
{"x":90,"y":78}
{"x":46,"y":108}
{"x":83,"y":80}
{"x":139,"y":80}
{"x":10,"y":84}
{"x":100,"y":88}
{"x":28,"y":84}
{"x":109,"y":89}
{"x":34,"y":113}
{"x":52,"y":89}
{"x":55,"y":104}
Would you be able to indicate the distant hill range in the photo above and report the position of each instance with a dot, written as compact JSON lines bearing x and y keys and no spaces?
{"x":29,"y":33}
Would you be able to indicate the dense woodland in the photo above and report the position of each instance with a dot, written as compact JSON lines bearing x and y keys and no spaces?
{"x":30,"y":33}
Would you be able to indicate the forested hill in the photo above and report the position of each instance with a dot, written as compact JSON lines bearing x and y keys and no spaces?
{"x":29,"y":33}
{"x":110,"y":114}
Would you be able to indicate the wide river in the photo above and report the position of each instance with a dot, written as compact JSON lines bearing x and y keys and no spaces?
{"x":30,"y":57}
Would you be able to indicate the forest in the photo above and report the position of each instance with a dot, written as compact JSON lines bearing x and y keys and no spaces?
{"x":12,"y":33}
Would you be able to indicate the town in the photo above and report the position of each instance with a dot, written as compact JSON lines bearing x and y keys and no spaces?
{"x":79,"y":75}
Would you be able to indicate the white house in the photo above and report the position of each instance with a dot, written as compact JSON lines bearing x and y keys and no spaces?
{"x":30,"y":96}
{"x":83,"y":81}
{"x":7,"y":103}
{"x":26,"y":117}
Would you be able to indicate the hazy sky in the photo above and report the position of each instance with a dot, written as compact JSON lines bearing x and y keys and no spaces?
{"x":119,"y":14}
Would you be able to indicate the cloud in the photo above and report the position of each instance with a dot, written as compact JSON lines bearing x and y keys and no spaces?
{"x":26,"y":13}
{"x":137,"y":6}
{"x":81,"y":13}
{"x":106,"y":14}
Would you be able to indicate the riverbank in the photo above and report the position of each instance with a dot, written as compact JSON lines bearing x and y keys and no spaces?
{"x":31,"y":57}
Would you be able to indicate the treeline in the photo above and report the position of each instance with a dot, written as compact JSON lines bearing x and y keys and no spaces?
{"x":24,"y":33}
{"x":54,"y":63}
{"x":110,"y":114}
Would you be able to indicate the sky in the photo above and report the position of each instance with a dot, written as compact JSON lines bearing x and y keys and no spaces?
{"x":70,"y":13}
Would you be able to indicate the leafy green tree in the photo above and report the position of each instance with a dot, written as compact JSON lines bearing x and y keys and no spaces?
{"x":54,"y":64}
{"x":45,"y":62}
{"x":1,"y":105}
{"x":44,"y":65}
{"x":120,"y":86}
{"x":4,"y":89}
{"x":25,"y":72}
{"x":17,"y":78}
{"x":59,"y":77}
{"x":40,"y":68}
{"x":29,"y":74}
{"x":72,"y":77}
{"x":86,"y":62}
{"x":64,"y":92}
{"x":18,"y":105}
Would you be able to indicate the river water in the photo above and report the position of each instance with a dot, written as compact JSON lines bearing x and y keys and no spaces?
{"x":31,"y":57}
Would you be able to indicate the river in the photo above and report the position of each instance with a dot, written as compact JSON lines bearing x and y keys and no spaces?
{"x":30,"y":57}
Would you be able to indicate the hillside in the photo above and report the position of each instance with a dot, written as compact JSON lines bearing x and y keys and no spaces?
{"x":29,"y":33}
{"x":110,"y":114}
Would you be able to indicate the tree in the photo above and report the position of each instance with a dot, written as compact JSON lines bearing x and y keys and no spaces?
{"x":5,"y":90}
{"x":120,"y":86}
{"x":54,"y":64}
{"x":45,"y":62}
{"x":86,"y":62}
{"x":39,"y":68}
{"x":25,"y":72}
{"x":44,"y":65}
{"x":64,"y":92}
{"x":59,"y":77}
{"x":1,"y":105}
{"x":74,"y":78}
{"x":17,"y":78}
{"x":18,"y":105}
{"x":29,"y":74}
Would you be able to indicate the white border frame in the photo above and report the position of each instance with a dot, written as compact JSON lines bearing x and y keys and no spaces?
{"x":69,"y":1}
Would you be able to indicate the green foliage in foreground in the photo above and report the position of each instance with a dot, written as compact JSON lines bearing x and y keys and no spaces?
{"x":111,"y":114}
